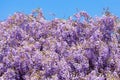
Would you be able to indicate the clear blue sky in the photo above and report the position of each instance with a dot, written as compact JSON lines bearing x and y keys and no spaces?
{"x":62,"y":8}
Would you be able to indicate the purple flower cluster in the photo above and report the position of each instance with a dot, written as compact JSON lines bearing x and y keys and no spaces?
{"x":33,"y":48}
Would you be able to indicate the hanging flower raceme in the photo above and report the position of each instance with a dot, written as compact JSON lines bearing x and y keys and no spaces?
{"x":83,"y":48}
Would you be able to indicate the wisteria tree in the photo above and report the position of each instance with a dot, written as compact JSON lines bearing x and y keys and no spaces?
{"x":78,"y":48}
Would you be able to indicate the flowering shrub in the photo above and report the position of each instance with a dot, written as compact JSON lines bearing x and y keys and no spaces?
{"x":33,"y":48}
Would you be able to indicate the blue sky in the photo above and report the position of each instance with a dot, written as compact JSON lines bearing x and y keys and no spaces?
{"x":62,"y":8}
